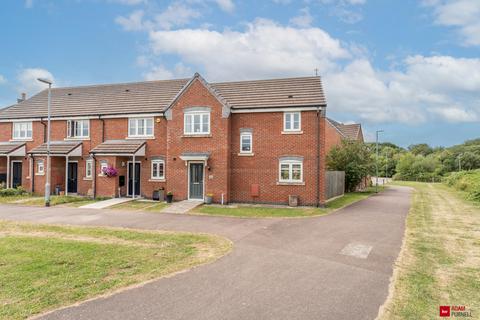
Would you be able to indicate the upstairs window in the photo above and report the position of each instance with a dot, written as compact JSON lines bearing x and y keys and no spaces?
{"x":78,"y":128}
{"x":291,"y":171}
{"x":197,"y":123}
{"x":140,"y":127}
{"x":22,"y":130}
{"x":291,"y":121}
{"x":246,"y":142}
{"x":158,"y":170}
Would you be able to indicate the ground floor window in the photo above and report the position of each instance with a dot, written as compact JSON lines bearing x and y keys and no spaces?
{"x":88,"y":169}
{"x":158,"y":169}
{"x":40,"y":167}
{"x":291,"y":171}
{"x":103,"y":167}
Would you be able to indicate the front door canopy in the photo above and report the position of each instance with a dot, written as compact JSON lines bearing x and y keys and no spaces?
{"x":195,"y":156}
{"x":126,"y":148}
{"x":59,"y":149}
{"x":12,"y":149}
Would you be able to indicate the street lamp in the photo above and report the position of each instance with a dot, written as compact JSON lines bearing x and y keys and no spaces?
{"x":376,"y":159}
{"x":47,"y":180}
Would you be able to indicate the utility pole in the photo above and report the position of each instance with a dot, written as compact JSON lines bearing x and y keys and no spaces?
{"x":376,"y":160}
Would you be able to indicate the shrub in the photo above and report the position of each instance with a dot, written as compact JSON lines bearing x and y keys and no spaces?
{"x":10,"y":192}
{"x":467,"y":181}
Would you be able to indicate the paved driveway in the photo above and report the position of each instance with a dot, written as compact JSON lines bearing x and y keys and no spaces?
{"x":305,"y":268}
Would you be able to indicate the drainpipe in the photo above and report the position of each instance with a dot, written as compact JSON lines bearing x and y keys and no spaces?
{"x":8,"y":171}
{"x":44,"y":131}
{"x":133,"y":177}
{"x":94,"y":173}
{"x":318,"y":156}
{"x":66,"y":175}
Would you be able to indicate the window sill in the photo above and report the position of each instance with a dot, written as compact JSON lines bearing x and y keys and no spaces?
{"x":26,"y":139}
{"x":141,"y":138}
{"x":292,"y":132}
{"x":246,"y":154}
{"x":157,"y":180}
{"x":77,"y":139}
{"x":87,"y":179}
{"x":285,"y":183}
{"x":39,"y":174}
{"x":196,"y":136}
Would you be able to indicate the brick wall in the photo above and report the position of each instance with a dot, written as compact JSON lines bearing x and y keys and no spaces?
{"x":333,"y":137}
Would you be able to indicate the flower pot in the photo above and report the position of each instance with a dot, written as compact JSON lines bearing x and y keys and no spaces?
{"x":169,"y":198}
{"x":208,"y":199}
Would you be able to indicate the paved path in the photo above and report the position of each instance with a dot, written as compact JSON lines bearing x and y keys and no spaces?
{"x":182,"y":206}
{"x":106,"y":203}
{"x":279,"y":268}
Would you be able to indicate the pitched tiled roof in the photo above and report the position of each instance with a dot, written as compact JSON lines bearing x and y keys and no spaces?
{"x":348,"y":131}
{"x":118,"y":147}
{"x":9,"y":147}
{"x":289,"y":92}
{"x":56,"y":147}
{"x":156,"y":96}
{"x":140,"y":97}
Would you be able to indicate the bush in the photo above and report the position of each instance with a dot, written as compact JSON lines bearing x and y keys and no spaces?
{"x":467,"y":181}
{"x":10,"y":192}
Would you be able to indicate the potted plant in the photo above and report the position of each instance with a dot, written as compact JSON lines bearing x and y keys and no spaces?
{"x":169,"y":197}
{"x":159,"y":194}
{"x":209,"y":198}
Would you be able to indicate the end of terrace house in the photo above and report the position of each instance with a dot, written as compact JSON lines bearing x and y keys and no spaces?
{"x":244,"y":141}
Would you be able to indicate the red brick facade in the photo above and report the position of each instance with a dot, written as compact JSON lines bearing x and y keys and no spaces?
{"x":227,"y":172}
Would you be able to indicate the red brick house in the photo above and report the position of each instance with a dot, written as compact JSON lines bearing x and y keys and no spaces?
{"x":247,"y":141}
{"x":336,"y":132}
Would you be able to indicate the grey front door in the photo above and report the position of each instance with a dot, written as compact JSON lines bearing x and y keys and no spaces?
{"x":196,"y":181}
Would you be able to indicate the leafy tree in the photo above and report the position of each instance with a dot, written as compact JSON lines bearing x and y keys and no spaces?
{"x":420,"y":149}
{"x":352,"y":157}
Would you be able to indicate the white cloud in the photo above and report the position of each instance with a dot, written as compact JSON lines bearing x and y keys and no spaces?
{"x":28,"y":4}
{"x":263,"y":49}
{"x":2,"y":79}
{"x":226,"y":5}
{"x":456,"y":114}
{"x":303,"y":20}
{"x":343,"y":9}
{"x":162,"y":73}
{"x":27,"y":80}
{"x":129,"y":2}
{"x":134,"y":22}
{"x":462,"y":14}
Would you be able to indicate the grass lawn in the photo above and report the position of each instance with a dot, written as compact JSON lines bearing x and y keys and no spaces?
{"x":139,"y":205}
{"x":250,"y":211}
{"x":43,"y":267}
{"x":440,"y":261}
{"x":29,"y":200}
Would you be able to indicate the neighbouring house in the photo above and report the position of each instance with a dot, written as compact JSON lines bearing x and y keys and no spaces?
{"x":337,"y":131}
{"x":247,"y":141}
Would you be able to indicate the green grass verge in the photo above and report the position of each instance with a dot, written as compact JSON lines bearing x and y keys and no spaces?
{"x":43,"y":267}
{"x":249,"y":211}
{"x":139,"y":205}
{"x":29,"y":200}
{"x":439,"y":264}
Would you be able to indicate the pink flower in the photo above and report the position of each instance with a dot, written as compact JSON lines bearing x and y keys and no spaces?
{"x":110,"y":171}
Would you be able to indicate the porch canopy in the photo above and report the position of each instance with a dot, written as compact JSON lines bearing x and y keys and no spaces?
{"x":122,"y":148}
{"x":11,"y":149}
{"x":60,"y":149}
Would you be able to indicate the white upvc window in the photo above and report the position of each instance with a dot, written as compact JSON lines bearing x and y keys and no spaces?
{"x":89,"y":169}
{"x":246,"y":142}
{"x":40,"y":167}
{"x":292,"y":121}
{"x":197,"y":122}
{"x":78,"y":128}
{"x":140,"y":127}
{"x":158,"y":170}
{"x":291,"y":171}
{"x":103,"y":166}
{"x":22,"y":130}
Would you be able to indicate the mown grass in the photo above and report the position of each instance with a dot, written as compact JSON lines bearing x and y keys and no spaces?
{"x":440,"y":261}
{"x":43,"y":267}
{"x":29,"y":200}
{"x":251,"y":211}
{"x":141,"y":205}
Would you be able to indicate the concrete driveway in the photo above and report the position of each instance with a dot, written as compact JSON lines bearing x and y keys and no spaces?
{"x":332,"y":267}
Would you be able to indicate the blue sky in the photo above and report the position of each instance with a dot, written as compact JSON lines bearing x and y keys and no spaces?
{"x":409,"y":67}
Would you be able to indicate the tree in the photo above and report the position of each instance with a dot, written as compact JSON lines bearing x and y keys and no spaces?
{"x":420,"y":149}
{"x":353,"y":157}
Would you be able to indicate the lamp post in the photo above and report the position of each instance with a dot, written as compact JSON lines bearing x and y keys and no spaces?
{"x":47,"y":180}
{"x":376,"y":159}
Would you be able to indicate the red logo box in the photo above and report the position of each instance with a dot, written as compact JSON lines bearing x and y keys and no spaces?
{"x":444,"y":311}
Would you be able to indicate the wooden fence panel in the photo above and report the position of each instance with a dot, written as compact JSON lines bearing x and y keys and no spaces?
{"x":335,"y":182}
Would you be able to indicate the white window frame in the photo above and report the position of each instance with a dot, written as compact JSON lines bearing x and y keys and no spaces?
{"x":246,"y":134}
{"x":82,"y":123}
{"x":192,"y":114}
{"x":136,"y":133}
{"x":88,"y":163}
{"x":25,"y":131}
{"x":40,"y":164}
{"x":290,"y":164}
{"x":103,"y":164}
{"x":292,"y":116}
{"x":157,"y":162}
